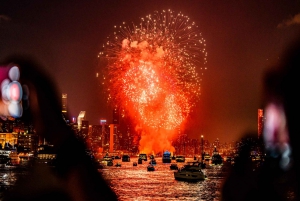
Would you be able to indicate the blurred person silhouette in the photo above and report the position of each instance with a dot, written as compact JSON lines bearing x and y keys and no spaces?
{"x":74,"y":177}
{"x":279,"y":176}
{"x":281,"y":127}
{"x":241,"y":179}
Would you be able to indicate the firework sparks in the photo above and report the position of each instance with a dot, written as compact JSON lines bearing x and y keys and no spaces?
{"x":154,"y":72}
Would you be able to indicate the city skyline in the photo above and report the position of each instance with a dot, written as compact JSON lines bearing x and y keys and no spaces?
{"x":243,"y":38}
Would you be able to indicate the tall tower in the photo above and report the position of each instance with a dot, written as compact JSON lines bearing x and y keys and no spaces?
{"x":64,"y":108}
{"x":80,"y":117}
{"x":260,"y":123}
{"x":111,"y":138}
{"x":104,"y":136}
{"x":64,"y":104}
{"x":84,"y":129}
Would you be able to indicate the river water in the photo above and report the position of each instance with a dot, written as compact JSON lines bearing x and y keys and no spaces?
{"x":135,"y":183}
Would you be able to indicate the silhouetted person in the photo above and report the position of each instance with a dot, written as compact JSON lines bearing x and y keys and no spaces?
{"x":279,"y":176}
{"x":281,"y":128}
{"x":74,"y":176}
{"x":241,"y":181}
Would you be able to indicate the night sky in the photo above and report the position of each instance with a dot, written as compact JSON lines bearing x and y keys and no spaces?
{"x":242,"y":38}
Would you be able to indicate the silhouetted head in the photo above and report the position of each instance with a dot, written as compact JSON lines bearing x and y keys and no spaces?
{"x":41,"y":97}
{"x":74,"y":176}
{"x":282,"y":108}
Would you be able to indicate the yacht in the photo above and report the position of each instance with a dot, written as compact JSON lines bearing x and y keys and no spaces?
{"x":143,"y":157}
{"x":110,"y":163}
{"x":125,"y":158}
{"x":216,"y":158}
{"x":166,"y":157}
{"x":190,"y":172}
{"x":180,"y":158}
{"x":150,"y":167}
{"x":152,"y":162}
{"x":46,"y":154}
{"x":173,"y":166}
{"x":107,"y":158}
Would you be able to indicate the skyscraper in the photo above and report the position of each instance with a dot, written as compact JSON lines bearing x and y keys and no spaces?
{"x":84,"y":129}
{"x":64,"y":108}
{"x":80,"y":117}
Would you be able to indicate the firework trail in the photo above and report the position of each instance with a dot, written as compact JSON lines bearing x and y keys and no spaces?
{"x":154,"y":72}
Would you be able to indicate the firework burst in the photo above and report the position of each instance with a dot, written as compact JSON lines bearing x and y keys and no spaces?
{"x":154,"y":69}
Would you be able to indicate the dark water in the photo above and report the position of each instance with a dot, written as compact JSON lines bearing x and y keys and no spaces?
{"x":136,"y":183}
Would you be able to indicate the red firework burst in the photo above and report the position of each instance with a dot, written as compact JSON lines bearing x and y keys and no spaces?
{"x":154,"y":69}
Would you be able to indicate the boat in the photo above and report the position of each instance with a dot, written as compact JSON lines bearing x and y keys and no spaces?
{"x":4,"y":160}
{"x":46,"y":154}
{"x":134,"y":163}
{"x":125,"y":158}
{"x":118,"y":164}
{"x":166,"y":157}
{"x":207,"y":157}
{"x":216,"y":158}
{"x":143,"y":157}
{"x":150,"y":167}
{"x":173,"y":166}
{"x":107,"y":158}
{"x":152,"y":162}
{"x":140,"y":161}
{"x":180,"y":159}
{"x":191,"y":172}
{"x":110,"y":163}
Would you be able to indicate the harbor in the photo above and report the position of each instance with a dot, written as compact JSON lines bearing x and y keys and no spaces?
{"x":136,"y":183}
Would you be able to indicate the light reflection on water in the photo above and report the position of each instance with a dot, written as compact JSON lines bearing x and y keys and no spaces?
{"x":136,"y":183}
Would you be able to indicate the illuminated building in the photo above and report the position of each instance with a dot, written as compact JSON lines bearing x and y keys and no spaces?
{"x":96,"y":137}
{"x":260,"y":122}
{"x":80,"y":117}
{"x":27,"y":143}
{"x":8,"y":139}
{"x":64,"y":104}
{"x":84,"y":129}
{"x":102,"y":121}
{"x":104,"y":135}
{"x":111,"y":138}
{"x":18,"y":135}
